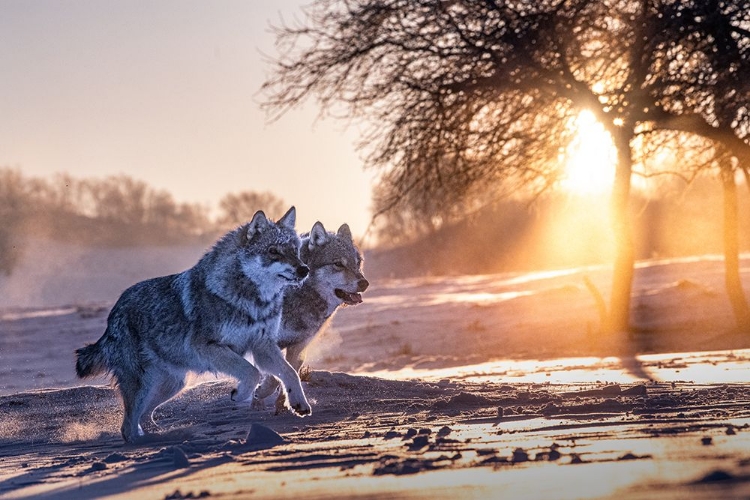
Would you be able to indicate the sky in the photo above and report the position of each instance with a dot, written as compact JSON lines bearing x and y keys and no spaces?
{"x":168,"y":92}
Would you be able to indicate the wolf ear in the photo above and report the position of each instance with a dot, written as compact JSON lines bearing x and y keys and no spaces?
{"x":318,"y":235}
{"x":258,"y":223}
{"x":345,"y":232}
{"x":289,"y":219}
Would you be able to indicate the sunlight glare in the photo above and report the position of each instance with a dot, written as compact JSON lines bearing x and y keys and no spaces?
{"x":701,"y":367}
{"x":590,"y":158}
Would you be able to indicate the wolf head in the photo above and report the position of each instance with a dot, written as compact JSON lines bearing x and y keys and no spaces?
{"x":335,"y":263}
{"x":269,"y":252}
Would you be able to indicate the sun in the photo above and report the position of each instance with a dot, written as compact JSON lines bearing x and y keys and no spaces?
{"x":589,"y":159}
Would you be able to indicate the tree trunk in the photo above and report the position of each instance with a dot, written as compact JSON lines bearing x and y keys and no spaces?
{"x":622,"y":278}
{"x":731,"y":251}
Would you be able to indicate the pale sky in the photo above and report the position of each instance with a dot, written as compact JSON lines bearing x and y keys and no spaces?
{"x":167,"y":91}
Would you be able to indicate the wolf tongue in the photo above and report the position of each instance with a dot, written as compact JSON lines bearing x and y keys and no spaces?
{"x":348,"y":298}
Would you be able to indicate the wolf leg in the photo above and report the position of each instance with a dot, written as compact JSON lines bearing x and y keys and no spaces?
{"x":269,"y":385}
{"x":295,"y":357}
{"x":141,"y":396}
{"x":166,"y":388}
{"x":131,"y":390}
{"x":295,"y":354}
{"x":223,"y":359}
{"x":270,"y":360}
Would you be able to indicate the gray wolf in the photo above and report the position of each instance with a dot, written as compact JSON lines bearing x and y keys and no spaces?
{"x":335,"y":279}
{"x":204,"y":319}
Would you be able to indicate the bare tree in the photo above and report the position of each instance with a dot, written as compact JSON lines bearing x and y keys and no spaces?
{"x":13,"y":207}
{"x":733,"y":280}
{"x":701,"y":59}
{"x":160,"y":209}
{"x":465,"y":94}
{"x":468,"y":96}
{"x":193,"y":219}
{"x":239,"y":208}
{"x":116,"y":210}
{"x":119,"y":198}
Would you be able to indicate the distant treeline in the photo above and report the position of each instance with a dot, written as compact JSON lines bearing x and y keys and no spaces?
{"x":558,"y":231}
{"x":510,"y":235}
{"x":117,"y":210}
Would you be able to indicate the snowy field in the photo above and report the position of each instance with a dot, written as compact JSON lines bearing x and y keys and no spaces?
{"x":471,"y":387}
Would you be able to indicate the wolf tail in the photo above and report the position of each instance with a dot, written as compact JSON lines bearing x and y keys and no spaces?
{"x":90,"y":361}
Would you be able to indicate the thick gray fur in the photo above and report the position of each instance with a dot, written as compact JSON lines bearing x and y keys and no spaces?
{"x":335,"y":279}
{"x":204,"y":319}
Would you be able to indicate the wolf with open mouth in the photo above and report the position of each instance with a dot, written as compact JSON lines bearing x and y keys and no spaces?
{"x":335,"y":279}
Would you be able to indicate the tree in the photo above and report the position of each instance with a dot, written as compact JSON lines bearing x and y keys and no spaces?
{"x":697,"y":156}
{"x":119,"y":199}
{"x":13,"y":208}
{"x":705,"y":89}
{"x":733,"y":280}
{"x":239,"y":208}
{"x":468,"y":96}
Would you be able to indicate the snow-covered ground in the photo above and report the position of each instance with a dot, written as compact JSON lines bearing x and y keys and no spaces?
{"x":433,"y":387}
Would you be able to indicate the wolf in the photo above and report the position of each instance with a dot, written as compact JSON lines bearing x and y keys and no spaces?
{"x":205,"y":319}
{"x":336,"y":279}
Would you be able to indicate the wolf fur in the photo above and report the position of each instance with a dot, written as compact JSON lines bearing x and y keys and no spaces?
{"x":204,"y":319}
{"x":335,"y":279}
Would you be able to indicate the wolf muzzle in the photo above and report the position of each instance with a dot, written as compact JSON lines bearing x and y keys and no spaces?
{"x":302,"y":272}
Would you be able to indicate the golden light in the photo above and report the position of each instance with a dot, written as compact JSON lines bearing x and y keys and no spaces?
{"x":590,"y":158}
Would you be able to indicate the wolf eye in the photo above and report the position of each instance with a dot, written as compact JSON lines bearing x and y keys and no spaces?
{"x":274,"y":252}
{"x":339,"y":265}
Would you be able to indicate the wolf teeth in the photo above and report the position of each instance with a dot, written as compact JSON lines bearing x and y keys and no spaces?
{"x":348,"y":297}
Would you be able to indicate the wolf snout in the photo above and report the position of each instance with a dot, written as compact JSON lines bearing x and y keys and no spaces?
{"x":362,"y":285}
{"x":302,"y":272}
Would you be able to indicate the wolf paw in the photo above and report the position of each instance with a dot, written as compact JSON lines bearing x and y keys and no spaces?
{"x":302,"y":408}
{"x":130,"y":434}
{"x":241,"y":394}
